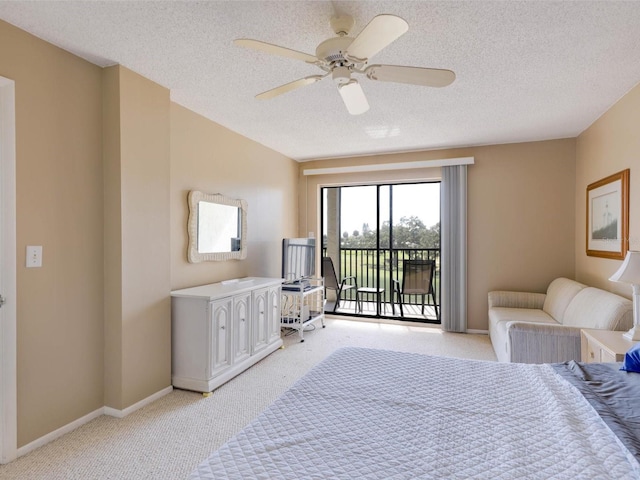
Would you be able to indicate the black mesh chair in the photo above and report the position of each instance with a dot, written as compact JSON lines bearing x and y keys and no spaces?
{"x":417,"y":279}
{"x":331,"y":280}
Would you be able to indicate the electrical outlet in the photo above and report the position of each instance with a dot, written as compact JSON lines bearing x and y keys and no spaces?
{"x":34,"y":256}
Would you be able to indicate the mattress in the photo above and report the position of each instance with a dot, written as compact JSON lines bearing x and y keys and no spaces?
{"x":376,"y":414}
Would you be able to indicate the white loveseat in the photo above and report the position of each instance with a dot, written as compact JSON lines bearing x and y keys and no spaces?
{"x":545,"y":328}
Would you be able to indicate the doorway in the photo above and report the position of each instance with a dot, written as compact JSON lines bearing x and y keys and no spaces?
{"x":8,"y":406}
{"x":371,"y":232}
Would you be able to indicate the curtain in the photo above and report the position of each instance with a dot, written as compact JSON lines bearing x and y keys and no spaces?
{"x":453,"y":259}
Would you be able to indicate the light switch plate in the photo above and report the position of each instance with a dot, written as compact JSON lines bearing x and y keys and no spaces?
{"x":34,"y":256}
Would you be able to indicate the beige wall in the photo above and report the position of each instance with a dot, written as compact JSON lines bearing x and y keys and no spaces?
{"x":59,"y":206}
{"x":520,"y":212}
{"x":112,"y":234}
{"x":210,"y":158}
{"x":608,"y":146}
{"x":137,"y":276}
{"x":93,"y":188}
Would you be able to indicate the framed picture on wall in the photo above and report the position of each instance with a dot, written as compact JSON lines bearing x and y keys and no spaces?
{"x":608,"y":216}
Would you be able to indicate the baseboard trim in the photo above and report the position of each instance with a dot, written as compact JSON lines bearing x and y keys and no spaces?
{"x":50,"y":437}
{"x":112,"y":412}
{"x":479,"y":332}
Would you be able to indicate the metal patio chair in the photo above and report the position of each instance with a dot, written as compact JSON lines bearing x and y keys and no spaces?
{"x":417,"y":279}
{"x":331,"y":280}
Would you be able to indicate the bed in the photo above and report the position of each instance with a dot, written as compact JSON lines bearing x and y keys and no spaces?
{"x":378,"y":414}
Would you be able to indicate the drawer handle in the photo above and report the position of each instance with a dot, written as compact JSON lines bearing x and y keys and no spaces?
{"x":592,"y":355}
{"x":222,"y":327}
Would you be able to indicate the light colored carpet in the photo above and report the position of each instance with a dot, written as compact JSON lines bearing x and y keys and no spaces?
{"x":168,"y":438}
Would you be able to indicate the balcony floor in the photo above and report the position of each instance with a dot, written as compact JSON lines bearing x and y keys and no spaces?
{"x":411,"y":312}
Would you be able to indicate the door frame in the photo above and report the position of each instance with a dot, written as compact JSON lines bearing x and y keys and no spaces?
{"x":8,"y":373}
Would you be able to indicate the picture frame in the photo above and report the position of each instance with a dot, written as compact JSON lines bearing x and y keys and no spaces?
{"x":608,"y":216}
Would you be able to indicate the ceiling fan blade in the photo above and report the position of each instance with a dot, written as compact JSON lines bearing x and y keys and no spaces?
{"x":380,"y":32}
{"x":428,"y":77}
{"x":353,"y":97}
{"x":275,"y":49}
{"x":287,"y":87}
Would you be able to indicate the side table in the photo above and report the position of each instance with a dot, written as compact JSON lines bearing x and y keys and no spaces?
{"x":377,"y":291}
{"x":603,"y":345}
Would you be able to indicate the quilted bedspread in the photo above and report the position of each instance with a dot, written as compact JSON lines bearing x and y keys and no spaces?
{"x":377,"y":414}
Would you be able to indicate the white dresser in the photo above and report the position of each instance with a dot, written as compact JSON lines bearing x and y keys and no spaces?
{"x":221,"y":329}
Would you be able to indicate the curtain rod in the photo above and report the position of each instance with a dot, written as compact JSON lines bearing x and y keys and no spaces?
{"x":446,"y":162}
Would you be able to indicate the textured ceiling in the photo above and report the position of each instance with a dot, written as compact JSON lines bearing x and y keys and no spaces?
{"x":529,"y":70}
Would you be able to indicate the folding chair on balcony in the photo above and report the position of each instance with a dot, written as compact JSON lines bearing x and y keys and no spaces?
{"x":417,"y":279}
{"x":331,"y":280}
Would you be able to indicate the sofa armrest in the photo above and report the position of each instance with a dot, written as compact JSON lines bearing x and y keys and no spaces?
{"x":542,"y":343}
{"x":502,"y":298}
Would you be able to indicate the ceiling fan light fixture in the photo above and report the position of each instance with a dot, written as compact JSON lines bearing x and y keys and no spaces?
{"x":341,"y":75}
{"x":353,"y":97}
{"x":343,"y":56}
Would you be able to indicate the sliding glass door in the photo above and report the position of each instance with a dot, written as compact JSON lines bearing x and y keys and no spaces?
{"x":370,"y":231}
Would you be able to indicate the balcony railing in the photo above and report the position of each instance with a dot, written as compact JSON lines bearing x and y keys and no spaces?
{"x":363,"y":263}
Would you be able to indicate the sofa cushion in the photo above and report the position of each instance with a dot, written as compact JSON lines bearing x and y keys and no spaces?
{"x":559,"y":294}
{"x":595,"y":308}
{"x":505,"y":314}
{"x":501,"y":317}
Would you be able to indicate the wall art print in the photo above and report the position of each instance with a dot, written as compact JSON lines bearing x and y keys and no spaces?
{"x":608,"y":216}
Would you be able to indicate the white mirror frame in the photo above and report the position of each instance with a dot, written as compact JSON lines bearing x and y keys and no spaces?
{"x":193,"y":255}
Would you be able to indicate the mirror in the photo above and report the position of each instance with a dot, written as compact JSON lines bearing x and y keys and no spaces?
{"x":217,"y":227}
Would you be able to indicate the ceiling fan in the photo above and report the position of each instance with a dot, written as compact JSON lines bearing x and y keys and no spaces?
{"x":343,"y":56}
